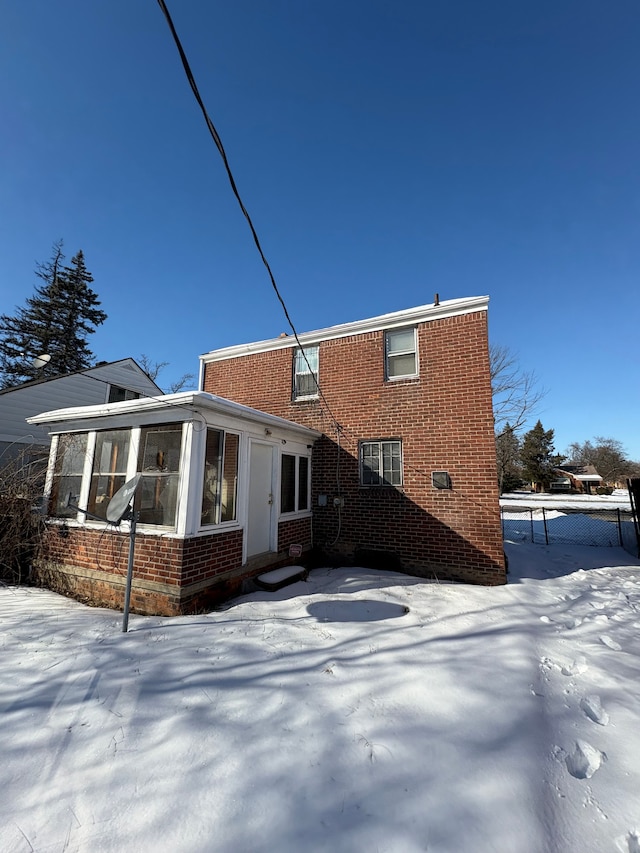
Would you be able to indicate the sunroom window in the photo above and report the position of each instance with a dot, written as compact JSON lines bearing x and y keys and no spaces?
{"x":219,"y":494}
{"x":67,"y":474}
{"x":294,"y":483}
{"x":109,"y":470}
{"x":159,"y":463}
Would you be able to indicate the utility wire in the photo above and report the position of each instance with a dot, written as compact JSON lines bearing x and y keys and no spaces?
{"x":218,"y":143}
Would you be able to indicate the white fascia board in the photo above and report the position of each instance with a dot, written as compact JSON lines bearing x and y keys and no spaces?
{"x":397,"y":319}
{"x":180,"y":406}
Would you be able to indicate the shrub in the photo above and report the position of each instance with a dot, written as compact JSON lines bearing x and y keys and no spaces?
{"x":21,"y":524}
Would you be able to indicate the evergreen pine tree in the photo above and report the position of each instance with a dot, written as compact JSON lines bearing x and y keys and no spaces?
{"x":508,"y":446}
{"x":539,"y":457}
{"x":56,"y":322}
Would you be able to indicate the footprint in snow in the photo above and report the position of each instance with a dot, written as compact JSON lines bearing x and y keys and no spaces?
{"x":585,"y":759}
{"x":578,"y":666}
{"x":609,"y":643}
{"x":629,"y":843}
{"x":592,"y":707}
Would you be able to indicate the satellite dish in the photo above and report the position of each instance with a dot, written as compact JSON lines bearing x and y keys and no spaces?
{"x":119,"y":503}
{"x":40,"y":360}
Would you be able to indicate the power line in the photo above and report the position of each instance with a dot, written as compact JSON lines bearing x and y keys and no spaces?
{"x":218,"y":143}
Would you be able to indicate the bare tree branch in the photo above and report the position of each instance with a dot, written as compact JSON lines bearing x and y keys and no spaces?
{"x":515,"y":392}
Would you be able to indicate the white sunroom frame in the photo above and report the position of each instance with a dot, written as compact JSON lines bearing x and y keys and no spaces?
{"x":197,"y":411}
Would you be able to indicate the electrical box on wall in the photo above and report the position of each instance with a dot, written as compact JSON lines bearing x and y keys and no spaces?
{"x":322,"y":500}
{"x":440,"y":480}
{"x":338,"y":501}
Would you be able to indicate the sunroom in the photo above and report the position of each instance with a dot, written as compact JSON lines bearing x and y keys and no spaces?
{"x":225,"y":492}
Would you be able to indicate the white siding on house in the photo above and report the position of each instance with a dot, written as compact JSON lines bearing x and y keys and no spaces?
{"x":79,"y":389}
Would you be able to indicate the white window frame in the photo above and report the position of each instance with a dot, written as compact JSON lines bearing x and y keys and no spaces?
{"x":222,"y":454}
{"x":388,"y":355}
{"x":130,"y":468}
{"x":301,"y":368}
{"x":296,"y":510}
{"x":381,"y":453}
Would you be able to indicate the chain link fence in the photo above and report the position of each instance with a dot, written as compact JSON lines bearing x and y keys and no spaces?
{"x":579,"y":526}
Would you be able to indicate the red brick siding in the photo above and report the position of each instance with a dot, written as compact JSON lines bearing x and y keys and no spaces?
{"x":444,"y":419}
{"x":295,"y":531}
{"x":92,"y":564}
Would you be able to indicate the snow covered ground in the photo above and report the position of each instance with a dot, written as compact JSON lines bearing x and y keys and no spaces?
{"x":357,"y":711}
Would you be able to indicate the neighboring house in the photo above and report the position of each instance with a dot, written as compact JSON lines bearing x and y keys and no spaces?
{"x":225,"y":492}
{"x":575,"y":478}
{"x":107,"y":382}
{"x":404,"y":475}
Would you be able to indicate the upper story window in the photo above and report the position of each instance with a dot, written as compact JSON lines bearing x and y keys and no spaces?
{"x":401,"y":361}
{"x":305,"y":373}
{"x":381,"y":463}
{"x":117,"y":394}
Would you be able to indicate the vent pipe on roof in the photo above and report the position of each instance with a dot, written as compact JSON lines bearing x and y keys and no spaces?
{"x":436,"y":300}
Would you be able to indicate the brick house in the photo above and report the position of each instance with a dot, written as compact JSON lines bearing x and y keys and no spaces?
{"x":404,"y":475}
{"x":225,"y":492}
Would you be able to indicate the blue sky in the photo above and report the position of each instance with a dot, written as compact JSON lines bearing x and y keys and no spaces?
{"x":386,"y":152}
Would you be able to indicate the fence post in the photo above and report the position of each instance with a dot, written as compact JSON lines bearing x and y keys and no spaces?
{"x":619,"y":527}
{"x":544,"y":521}
{"x":533,"y":541}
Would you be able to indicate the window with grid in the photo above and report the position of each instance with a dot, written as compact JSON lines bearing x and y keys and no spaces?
{"x":381,"y":463}
{"x":305,"y":373}
{"x":401,"y":360}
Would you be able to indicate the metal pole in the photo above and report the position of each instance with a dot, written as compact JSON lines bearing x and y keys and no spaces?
{"x":619,"y":527}
{"x":544,"y":521}
{"x":127,"y":591}
{"x":533,"y":541}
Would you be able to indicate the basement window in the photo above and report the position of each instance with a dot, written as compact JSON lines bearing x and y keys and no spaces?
{"x":381,"y":463}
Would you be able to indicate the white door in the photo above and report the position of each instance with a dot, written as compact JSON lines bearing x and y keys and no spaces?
{"x":260,"y":499}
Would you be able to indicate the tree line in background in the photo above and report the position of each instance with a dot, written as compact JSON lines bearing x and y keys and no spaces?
{"x":532,"y":459}
{"x":56,"y":323}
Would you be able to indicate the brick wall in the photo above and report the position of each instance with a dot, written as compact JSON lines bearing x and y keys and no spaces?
{"x":444,"y":419}
{"x":170,"y":575}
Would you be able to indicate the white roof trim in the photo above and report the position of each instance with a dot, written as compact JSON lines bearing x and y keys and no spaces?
{"x":407,"y":317}
{"x":188,"y":401}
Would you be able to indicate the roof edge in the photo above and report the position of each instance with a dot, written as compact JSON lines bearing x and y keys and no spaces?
{"x":420,"y":314}
{"x":188,"y":401}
